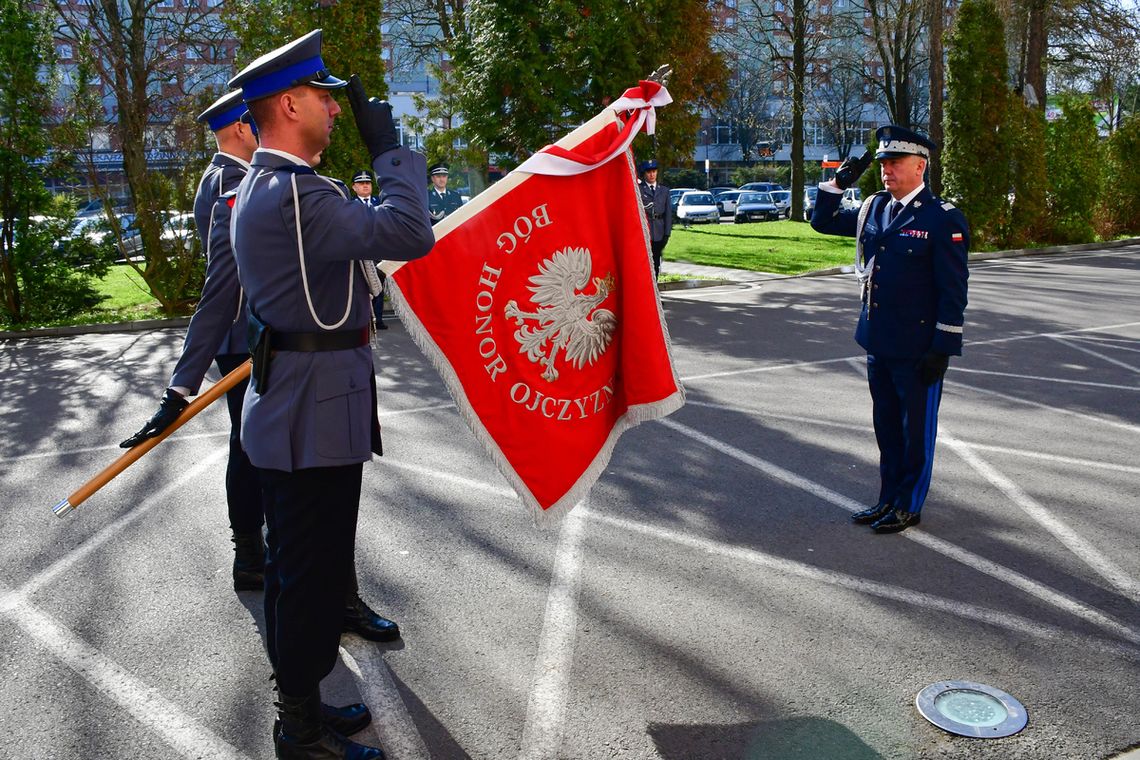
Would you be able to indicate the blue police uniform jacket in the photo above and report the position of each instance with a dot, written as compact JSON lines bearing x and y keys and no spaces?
{"x":658,"y":210}
{"x":318,"y":408}
{"x":916,"y":295}
{"x":219,"y":322}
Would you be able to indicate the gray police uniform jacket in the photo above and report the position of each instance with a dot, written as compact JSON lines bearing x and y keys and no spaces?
{"x":658,"y":211}
{"x":318,"y":408}
{"x":219,"y":322}
{"x":916,"y":299}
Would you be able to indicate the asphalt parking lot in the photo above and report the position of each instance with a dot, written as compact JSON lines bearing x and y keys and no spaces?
{"x":709,"y":599}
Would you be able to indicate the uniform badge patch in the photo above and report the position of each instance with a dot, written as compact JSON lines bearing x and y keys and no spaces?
{"x":955,"y":237}
{"x":920,"y":234}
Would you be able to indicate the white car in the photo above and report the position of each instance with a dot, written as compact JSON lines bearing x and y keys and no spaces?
{"x":852,"y":198}
{"x":697,"y":207}
{"x":727,"y":201}
{"x":783,"y":201}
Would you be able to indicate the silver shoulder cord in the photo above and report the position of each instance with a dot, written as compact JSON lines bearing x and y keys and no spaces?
{"x":863,"y":272}
{"x":373,"y":281}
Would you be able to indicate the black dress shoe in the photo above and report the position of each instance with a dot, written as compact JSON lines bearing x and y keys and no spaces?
{"x":870,"y":515}
{"x":360,"y":619}
{"x":895,"y":521}
{"x":346,"y":720}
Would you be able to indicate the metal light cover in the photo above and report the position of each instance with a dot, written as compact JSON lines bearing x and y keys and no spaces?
{"x":971,"y":709}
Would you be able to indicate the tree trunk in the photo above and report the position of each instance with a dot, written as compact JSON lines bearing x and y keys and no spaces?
{"x":799,"y":30}
{"x":1035,"y":51}
{"x":937,"y":11}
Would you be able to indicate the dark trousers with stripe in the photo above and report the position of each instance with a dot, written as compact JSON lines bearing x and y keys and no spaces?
{"x":906,"y":426}
{"x":311,"y":519}
{"x":243,"y":484}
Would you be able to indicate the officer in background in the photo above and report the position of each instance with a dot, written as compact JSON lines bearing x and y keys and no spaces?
{"x":310,"y":410}
{"x":217,"y":333}
{"x":441,"y":201}
{"x":658,"y":211}
{"x":911,"y":258}
{"x":362,"y":186}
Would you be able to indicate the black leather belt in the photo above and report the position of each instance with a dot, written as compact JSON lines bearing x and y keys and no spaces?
{"x":338,"y":340}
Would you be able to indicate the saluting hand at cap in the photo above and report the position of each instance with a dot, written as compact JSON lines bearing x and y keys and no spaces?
{"x":851,"y":170}
{"x":373,"y":119}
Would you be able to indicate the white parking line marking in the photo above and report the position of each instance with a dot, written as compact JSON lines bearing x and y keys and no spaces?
{"x":545,"y":710}
{"x":146,"y":705}
{"x":766,"y":368}
{"x":1051,"y":380}
{"x":438,"y":475}
{"x":391,"y":722}
{"x":158,"y":498}
{"x":1085,"y":551}
{"x":1004,"y":620}
{"x":981,"y":564}
{"x":956,"y":385}
{"x":1097,"y":354}
{"x":1086,"y":463}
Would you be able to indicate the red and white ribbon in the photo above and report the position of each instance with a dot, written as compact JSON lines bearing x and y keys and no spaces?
{"x":642,"y":101}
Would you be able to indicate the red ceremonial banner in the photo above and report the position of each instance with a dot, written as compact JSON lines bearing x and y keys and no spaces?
{"x":538,"y":306}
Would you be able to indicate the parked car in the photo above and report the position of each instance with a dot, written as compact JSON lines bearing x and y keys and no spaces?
{"x":852,"y":198}
{"x":809,"y":201}
{"x":783,"y":201}
{"x":727,"y":201}
{"x":755,"y":207}
{"x":675,"y":195}
{"x":718,"y":190}
{"x":699,"y":207}
{"x":96,"y":207}
{"x":761,"y":187}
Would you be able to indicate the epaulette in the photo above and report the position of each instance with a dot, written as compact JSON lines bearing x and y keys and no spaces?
{"x":947,"y":206}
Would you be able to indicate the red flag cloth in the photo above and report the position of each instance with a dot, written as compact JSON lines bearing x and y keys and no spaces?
{"x":539,"y":308}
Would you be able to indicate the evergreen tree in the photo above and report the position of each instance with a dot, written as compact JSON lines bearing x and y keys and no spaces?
{"x":1120,"y":203}
{"x":350,"y":44}
{"x":1028,"y":222}
{"x":1073,"y":161}
{"x":975,"y":157}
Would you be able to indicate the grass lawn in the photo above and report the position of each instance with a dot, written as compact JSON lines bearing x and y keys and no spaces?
{"x":127,"y":299}
{"x":780,"y":247}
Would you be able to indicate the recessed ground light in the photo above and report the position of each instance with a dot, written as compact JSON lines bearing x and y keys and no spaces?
{"x":971,"y":709}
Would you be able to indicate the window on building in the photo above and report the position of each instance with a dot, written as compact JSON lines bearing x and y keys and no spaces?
{"x":730,"y":22}
{"x":778,"y":6}
{"x":63,"y":52}
{"x":192,"y":53}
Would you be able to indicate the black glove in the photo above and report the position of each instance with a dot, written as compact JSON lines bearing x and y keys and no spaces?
{"x":373,"y":119}
{"x":169,"y":408}
{"x":932,"y":366}
{"x":851,"y":170}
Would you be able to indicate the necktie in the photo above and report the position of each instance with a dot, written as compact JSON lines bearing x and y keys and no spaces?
{"x":653,"y":188}
{"x":894,"y":210}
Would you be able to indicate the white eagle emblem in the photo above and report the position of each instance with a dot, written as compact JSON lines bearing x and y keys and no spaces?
{"x":567,"y":318}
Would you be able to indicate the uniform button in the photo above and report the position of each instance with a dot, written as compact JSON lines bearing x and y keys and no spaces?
{"x":909,"y":250}
{"x":876,"y":287}
{"x":922,"y":321}
{"x":882,"y":248}
{"x":395,"y":162}
{"x":874,"y":306}
{"x":877,"y":267}
{"x":351,"y":383}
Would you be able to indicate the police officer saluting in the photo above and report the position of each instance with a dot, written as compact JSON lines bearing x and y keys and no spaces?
{"x":441,"y":201}
{"x":310,"y":414}
{"x":911,"y":258}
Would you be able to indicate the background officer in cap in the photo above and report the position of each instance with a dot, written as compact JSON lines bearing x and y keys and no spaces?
{"x":658,"y":211}
{"x":310,"y":411}
{"x":441,"y":201}
{"x":217,"y":333}
{"x":362,"y":186}
{"x":911,"y":258}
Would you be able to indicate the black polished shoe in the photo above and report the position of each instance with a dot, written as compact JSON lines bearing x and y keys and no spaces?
{"x":361,"y":620}
{"x":895,"y":521}
{"x":868,"y":516}
{"x":300,"y":733}
{"x":346,"y":720}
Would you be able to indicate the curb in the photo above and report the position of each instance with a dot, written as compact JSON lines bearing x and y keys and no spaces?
{"x":161,"y":324}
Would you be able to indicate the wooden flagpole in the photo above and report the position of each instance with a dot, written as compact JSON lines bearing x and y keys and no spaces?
{"x":134,"y":454}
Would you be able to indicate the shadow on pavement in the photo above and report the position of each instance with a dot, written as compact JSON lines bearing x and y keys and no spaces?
{"x":785,"y":739}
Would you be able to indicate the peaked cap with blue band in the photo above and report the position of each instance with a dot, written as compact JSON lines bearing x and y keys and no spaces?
{"x":898,"y":141}
{"x":224,"y":111}
{"x":297,"y":63}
